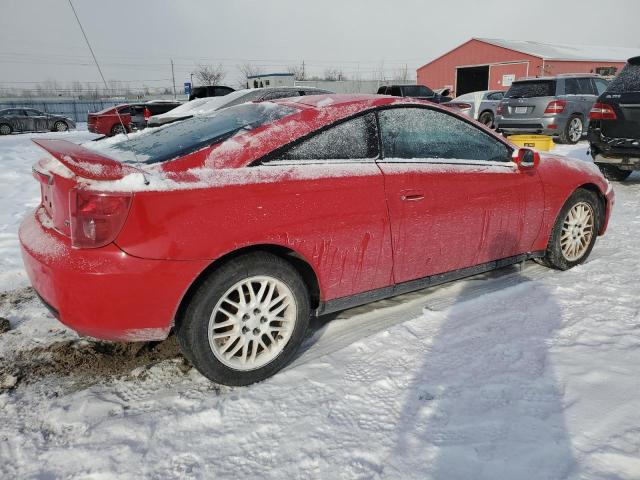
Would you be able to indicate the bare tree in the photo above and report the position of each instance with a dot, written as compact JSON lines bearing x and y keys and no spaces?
{"x":209,"y":74}
{"x":401,"y":74}
{"x":298,"y":71}
{"x":334,"y":74}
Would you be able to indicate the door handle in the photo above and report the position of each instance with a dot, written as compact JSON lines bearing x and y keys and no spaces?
{"x":414,"y":197}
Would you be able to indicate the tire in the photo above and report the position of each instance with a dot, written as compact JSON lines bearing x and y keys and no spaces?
{"x":60,"y":126}
{"x":486,"y":118}
{"x":234,"y":349}
{"x":5,"y":129}
{"x":614,"y":173}
{"x":117,"y":129}
{"x":559,"y":254}
{"x":573,"y":130}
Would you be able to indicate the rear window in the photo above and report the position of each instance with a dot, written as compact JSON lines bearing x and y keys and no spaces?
{"x":627,"y":81}
{"x":417,"y":91}
{"x":179,"y":139}
{"x":533,"y":88}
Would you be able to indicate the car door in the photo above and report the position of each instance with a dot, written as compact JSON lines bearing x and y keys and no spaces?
{"x":588,"y":97}
{"x":455,"y":197}
{"x":38,"y":121}
{"x":335,"y":185}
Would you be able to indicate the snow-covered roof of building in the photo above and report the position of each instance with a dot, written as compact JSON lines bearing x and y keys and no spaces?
{"x":555,"y":51}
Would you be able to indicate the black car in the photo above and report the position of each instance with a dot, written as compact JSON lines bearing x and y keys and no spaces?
{"x":614,"y":128}
{"x":415,"y":91}
{"x":32,"y":120}
{"x":210,"y":91}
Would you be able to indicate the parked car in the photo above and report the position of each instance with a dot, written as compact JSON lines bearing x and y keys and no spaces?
{"x":421,"y":92}
{"x":204,"y":106}
{"x":126,"y":117}
{"x":480,"y":105}
{"x":614,"y":127}
{"x":232,"y":229}
{"x":140,"y":113}
{"x":558,"y":106}
{"x":32,"y":120}
{"x":210,"y":91}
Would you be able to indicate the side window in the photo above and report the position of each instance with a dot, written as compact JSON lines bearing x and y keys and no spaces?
{"x":496,"y":96}
{"x":351,"y":140}
{"x":34,"y":113}
{"x":412,"y":133}
{"x":395,"y":91}
{"x":571,"y":86}
{"x":601,"y":85}
{"x":124,"y":111}
{"x":585,"y":87}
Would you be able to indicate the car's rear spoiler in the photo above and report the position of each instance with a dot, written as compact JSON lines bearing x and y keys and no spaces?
{"x":86,"y":163}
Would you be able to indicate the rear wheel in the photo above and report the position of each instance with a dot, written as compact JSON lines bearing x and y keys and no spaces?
{"x":117,"y":129}
{"x":60,"y":126}
{"x":5,"y":129}
{"x":486,"y":118}
{"x":574,"y":232}
{"x":572,"y":131}
{"x":614,"y":173}
{"x":246,"y":321}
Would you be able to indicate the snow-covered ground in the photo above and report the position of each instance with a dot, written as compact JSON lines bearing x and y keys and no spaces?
{"x":524,"y":373}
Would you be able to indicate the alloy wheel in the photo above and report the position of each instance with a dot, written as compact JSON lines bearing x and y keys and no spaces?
{"x":577,"y":231}
{"x":252,"y":322}
{"x":5,"y":130}
{"x":575,"y":129}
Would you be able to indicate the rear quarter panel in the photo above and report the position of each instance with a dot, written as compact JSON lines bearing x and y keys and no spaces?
{"x":333,"y":216}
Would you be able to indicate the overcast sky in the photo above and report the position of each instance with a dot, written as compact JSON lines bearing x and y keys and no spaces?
{"x":134,"y":40}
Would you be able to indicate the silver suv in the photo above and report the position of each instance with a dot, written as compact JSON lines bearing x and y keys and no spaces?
{"x":558,"y":106}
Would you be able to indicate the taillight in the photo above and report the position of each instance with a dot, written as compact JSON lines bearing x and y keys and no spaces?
{"x":499,"y":109}
{"x":96,"y":218}
{"x":602,"y":111}
{"x":147,"y":113}
{"x":557,"y":106}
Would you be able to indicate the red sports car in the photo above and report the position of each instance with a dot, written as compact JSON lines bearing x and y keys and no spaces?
{"x":233,"y":229}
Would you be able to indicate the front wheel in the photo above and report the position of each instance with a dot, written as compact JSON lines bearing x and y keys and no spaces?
{"x":612,"y":172}
{"x":574,"y":232}
{"x":246,"y":321}
{"x":60,"y":126}
{"x":117,"y":129}
{"x":5,"y":129}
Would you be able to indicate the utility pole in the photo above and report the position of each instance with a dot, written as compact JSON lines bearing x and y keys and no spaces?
{"x":173,"y":76}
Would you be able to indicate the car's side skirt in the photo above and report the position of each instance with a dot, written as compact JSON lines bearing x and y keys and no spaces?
{"x":352,"y":301}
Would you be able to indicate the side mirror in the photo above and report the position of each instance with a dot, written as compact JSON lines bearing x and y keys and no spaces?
{"x":526,"y":158}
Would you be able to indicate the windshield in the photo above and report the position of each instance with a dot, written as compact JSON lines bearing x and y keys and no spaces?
{"x":179,"y":139}
{"x":533,"y":88}
{"x":627,"y":81}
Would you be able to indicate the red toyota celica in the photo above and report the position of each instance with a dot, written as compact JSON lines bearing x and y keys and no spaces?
{"x":233,"y":229}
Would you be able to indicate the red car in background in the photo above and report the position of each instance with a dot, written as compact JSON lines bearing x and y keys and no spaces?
{"x":126,"y":117}
{"x":232,"y":229}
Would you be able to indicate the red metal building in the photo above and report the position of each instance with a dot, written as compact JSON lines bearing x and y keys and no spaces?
{"x":492,"y":64}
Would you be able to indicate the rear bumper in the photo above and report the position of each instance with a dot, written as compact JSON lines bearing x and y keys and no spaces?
{"x":546,"y":125}
{"x":104,"y":292}
{"x":621,"y":152}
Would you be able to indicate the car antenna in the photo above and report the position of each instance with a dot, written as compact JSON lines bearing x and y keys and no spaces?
{"x":97,"y":65}
{"x":124,"y":129}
